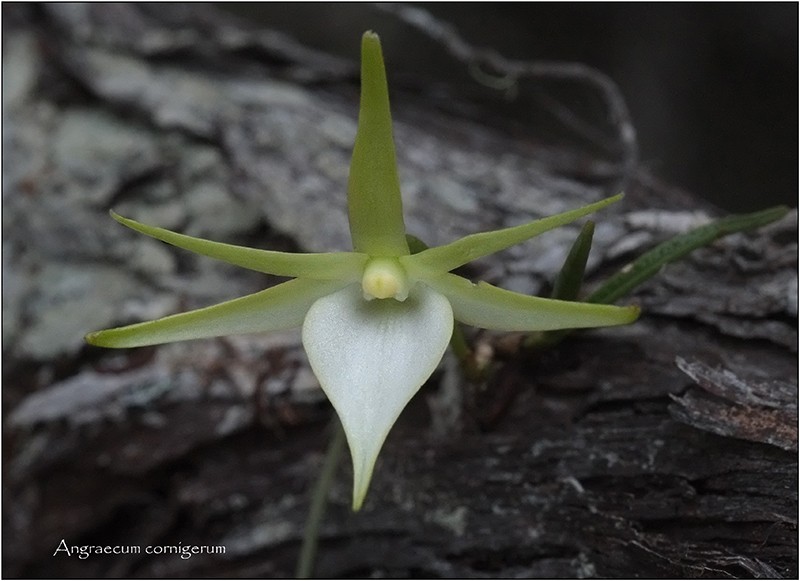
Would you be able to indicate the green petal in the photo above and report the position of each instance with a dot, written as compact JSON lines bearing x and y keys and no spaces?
{"x":281,"y":307}
{"x":326,"y":266}
{"x":371,"y":357}
{"x":446,"y":258}
{"x":373,"y":193}
{"x":489,"y":307}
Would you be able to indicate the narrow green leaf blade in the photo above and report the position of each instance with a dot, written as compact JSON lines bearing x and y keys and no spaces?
{"x":568,"y":282}
{"x":649,"y":263}
{"x":446,"y":258}
{"x":373,"y":195}
{"x":489,"y":307}
{"x":281,"y":307}
{"x":324,"y":266}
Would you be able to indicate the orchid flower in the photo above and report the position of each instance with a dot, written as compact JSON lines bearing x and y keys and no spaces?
{"x":375,"y":321}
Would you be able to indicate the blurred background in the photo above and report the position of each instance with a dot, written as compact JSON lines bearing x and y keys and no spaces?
{"x":712,"y":88}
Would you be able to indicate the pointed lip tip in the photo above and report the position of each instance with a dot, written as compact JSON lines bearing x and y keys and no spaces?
{"x":359,"y":491}
{"x":358,"y":498}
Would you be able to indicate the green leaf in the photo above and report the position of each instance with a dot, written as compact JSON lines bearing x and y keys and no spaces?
{"x":346,"y":266}
{"x":373,"y":194}
{"x":489,"y":307}
{"x":446,"y":258}
{"x":568,"y":282}
{"x":649,"y":263}
{"x":281,"y":307}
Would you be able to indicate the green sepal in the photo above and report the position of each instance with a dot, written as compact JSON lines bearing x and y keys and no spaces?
{"x":324,"y":266}
{"x":280,"y":307}
{"x":489,"y":307}
{"x":374,"y":204}
{"x":446,"y":258}
{"x":415,"y":245}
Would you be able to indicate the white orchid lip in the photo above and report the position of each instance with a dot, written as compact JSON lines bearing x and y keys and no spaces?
{"x":383,"y":352}
{"x":385,"y":278}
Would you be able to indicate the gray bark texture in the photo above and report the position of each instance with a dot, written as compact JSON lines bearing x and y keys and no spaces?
{"x":662,"y":449}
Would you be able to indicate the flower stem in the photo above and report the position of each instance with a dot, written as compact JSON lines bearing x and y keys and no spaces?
{"x":319,"y":501}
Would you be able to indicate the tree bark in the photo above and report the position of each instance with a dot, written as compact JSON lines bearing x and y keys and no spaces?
{"x":667,"y":448}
